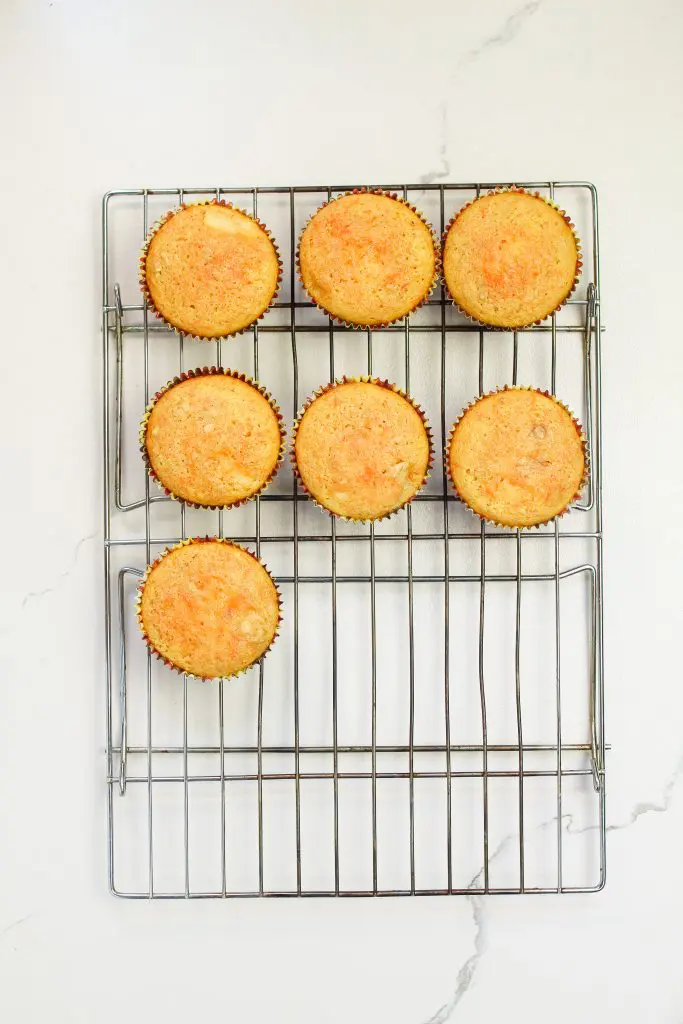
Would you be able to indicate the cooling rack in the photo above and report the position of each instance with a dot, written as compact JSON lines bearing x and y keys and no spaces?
{"x":430,"y":720}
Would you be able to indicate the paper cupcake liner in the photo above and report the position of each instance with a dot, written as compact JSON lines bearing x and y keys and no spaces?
{"x":577,"y":273}
{"x":356,"y":380}
{"x":437,"y":261}
{"x":149,"y":301}
{"x":138,"y":606}
{"x":211,"y":371}
{"x":579,"y":431}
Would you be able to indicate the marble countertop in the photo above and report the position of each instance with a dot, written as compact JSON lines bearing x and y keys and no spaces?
{"x":147,"y":92}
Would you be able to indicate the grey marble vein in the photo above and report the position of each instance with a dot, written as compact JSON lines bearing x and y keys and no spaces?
{"x":644,"y":807}
{"x":467,"y":971}
{"x":34,"y":595}
{"x":14,"y":924}
{"x":443,"y":170}
{"x":508,"y":31}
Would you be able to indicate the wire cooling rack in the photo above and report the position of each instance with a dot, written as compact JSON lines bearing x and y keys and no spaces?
{"x":430,"y":720}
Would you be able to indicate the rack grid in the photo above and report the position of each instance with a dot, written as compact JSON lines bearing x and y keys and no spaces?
{"x":431,"y":720}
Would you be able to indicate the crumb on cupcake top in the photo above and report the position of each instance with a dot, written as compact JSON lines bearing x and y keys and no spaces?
{"x":213,"y":439}
{"x":517,"y":457}
{"x":367,"y":258}
{"x":510,"y":259}
{"x":210,"y":608}
{"x":362,"y":449}
{"x":211,"y":270}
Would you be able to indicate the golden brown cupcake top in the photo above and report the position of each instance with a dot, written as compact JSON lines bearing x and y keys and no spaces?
{"x":367,"y":258}
{"x":213,"y":438}
{"x":510,"y":259}
{"x":208,"y":607}
{"x":517,"y":457}
{"x":210,"y":270}
{"x":362,"y":449}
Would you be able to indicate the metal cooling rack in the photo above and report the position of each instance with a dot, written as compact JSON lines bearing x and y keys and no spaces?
{"x":431,"y":719}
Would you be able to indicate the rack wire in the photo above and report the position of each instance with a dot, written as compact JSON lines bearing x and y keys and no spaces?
{"x":431,"y":720}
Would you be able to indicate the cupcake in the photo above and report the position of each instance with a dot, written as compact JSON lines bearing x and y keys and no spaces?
{"x":212,"y":438}
{"x":361,"y":448}
{"x":517,"y":457}
{"x":208,"y":607}
{"x":510,"y":259}
{"x":367,"y":258}
{"x":210,"y":270}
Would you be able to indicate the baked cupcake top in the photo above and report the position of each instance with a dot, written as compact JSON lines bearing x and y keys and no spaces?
{"x":517,"y":457}
{"x":367,"y":258}
{"x":210,"y":270}
{"x":362,"y":449}
{"x":510,"y":259}
{"x":208,"y":607}
{"x":212,"y":438}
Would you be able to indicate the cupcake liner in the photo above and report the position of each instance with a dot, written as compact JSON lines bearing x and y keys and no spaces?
{"x":577,"y":273}
{"x":356,"y":380}
{"x":212,"y":371}
{"x":138,"y":606}
{"x":149,"y":301}
{"x":579,"y":430}
{"x":437,"y":260}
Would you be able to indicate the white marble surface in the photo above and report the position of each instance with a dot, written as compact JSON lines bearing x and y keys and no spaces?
{"x":98,"y":96}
